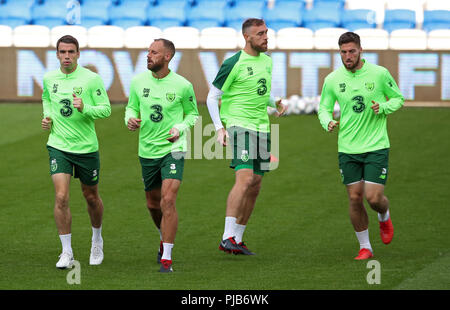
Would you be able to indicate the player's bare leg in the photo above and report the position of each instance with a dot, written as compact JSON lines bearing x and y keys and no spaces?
{"x":359,"y":219}
{"x":95,"y":210}
{"x":379,"y":202}
{"x":169,"y":221}
{"x":63,"y":218}
{"x":249,"y":200}
{"x":153,"y":198}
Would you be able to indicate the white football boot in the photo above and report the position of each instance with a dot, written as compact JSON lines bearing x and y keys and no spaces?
{"x":65,"y":260}
{"x":96,"y":257}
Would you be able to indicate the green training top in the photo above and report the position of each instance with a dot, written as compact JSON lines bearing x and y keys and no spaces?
{"x":162,"y":104}
{"x":74,"y":131}
{"x":360,"y":129}
{"x":245,"y":81}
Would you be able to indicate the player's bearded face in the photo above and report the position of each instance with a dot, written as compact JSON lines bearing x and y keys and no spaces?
{"x":155,"y":57}
{"x":350,"y":55}
{"x":258,"y":38}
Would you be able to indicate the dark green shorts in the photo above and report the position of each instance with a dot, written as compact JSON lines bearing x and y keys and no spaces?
{"x":250,"y":149}
{"x":370,"y":167}
{"x":86,"y":167}
{"x":155,"y":170}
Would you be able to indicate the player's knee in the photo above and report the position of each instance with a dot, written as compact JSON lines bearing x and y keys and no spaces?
{"x":374,"y":199}
{"x":61,"y":200}
{"x":356,"y":197}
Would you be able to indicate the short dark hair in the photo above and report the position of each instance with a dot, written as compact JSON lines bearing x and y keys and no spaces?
{"x":349,"y":37}
{"x":252,"y":22}
{"x":168,"y":44}
{"x":69,"y":40}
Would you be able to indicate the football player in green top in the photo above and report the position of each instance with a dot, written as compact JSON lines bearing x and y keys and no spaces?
{"x":244,"y":83}
{"x":366,"y":94}
{"x":73,"y":98}
{"x":162,"y":106}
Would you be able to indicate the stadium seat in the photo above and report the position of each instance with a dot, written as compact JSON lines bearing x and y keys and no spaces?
{"x":31,"y":36}
{"x":49,"y":14}
{"x":437,"y":5}
{"x":6,"y":36}
{"x":14,"y":14}
{"x":94,"y":15}
{"x":103,"y":3}
{"x":183,"y":37}
{"x":283,"y":15}
{"x":436,"y":19}
{"x":327,"y":38}
{"x":218,"y":38}
{"x":166,"y":15}
{"x":141,"y":36}
{"x":329,"y":4}
{"x":137,"y":3}
{"x":295,"y":38}
{"x":127,"y":16}
{"x":413,"y":5}
{"x":373,"y":39}
{"x":206,"y":14}
{"x":399,"y":19}
{"x":79,"y":32}
{"x":236,"y":15}
{"x":408,"y":39}
{"x":358,"y":18}
{"x":106,"y":36}
{"x":271,"y":37}
{"x":439,"y":39}
{"x":377,"y":6}
{"x":321,"y":17}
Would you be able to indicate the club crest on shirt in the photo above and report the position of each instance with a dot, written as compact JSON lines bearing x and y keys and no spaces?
{"x":244,"y":156}
{"x":77,"y":91}
{"x":370,"y":86}
{"x":170,"y":97}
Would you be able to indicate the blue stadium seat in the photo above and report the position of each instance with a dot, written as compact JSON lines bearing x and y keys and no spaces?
{"x":399,"y":19}
{"x":358,"y":19}
{"x":436,"y":19}
{"x":206,"y":14}
{"x":235,"y":15}
{"x":93,"y":14}
{"x":335,"y":4}
{"x":103,"y":3}
{"x":52,"y":13}
{"x":284,"y":15}
{"x":166,"y":15}
{"x":14,"y":14}
{"x":321,"y":17}
{"x":127,"y":16}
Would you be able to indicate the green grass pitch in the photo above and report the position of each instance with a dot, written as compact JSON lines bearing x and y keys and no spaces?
{"x":300,"y":228}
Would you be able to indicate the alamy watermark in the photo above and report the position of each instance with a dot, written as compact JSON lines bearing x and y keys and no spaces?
{"x":374,"y":275}
{"x":74,"y":275}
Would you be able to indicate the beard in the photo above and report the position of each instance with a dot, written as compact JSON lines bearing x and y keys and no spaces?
{"x":155,"y":67}
{"x":259,"y":48}
{"x":352,"y":66}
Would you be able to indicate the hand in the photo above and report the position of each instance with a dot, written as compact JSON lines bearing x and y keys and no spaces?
{"x":133,"y":123}
{"x":175,"y":135}
{"x":222,"y":136}
{"x":375,"y":107}
{"x":46,"y":123}
{"x":78,"y":103}
{"x":332,"y":125}
{"x":281,"y":108}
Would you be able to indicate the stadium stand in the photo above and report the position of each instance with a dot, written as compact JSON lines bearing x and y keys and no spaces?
{"x":78,"y":32}
{"x":167,"y":14}
{"x":126,"y":16}
{"x":327,"y":38}
{"x":377,"y":6}
{"x":31,"y":36}
{"x":358,"y":18}
{"x":134,"y":36}
{"x":413,"y":5}
{"x":408,"y":39}
{"x":399,"y":19}
{"x":295,"y":38}
{"x":373,"y":39}
{"x":243,"y":9}
{"x":219,"y":37}
{"x":207,"y":14}
{"x":284,"y":15}
{"x":321,"y":17}
{"x":51,"y":13}
{"x":183,"y":37}
{"x":106,"y":36}
{"x":6,"y":36}
{"x":437,"y":5}
{"x":439,"y":39}
{"x":436,"y":19}
{"x":15,"y":14}
{"x":94,"y":14}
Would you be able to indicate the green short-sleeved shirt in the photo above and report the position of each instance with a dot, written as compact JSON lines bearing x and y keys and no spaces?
{"x":74,"y":131}
{"x":246,"y":83}
{"x":162,"y":104}
{"x":360,"y":129}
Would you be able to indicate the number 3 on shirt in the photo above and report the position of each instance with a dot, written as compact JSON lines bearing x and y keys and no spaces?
{"x":359,"y":104}
{"x":262,"y":88}
{"x":157,"y":116}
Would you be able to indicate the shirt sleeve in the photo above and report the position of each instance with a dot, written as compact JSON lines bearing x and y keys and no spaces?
{"x":101,"y":107}
{"x":393,"y":94}
{"x":132,"y":109}
{"x":190,"y":110}
{"x":326,"y":105}
{"x":212,"y":101}
{"x":46,"y":101}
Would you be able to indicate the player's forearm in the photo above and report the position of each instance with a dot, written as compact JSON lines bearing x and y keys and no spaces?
{"x":130,"y":113}
{"x":325,"y":114}
{"x":98,"y":111}
{"x":212,"y":101}
{"x":188,"y":121}
{"x":392,"y":105}
{"x":46,"y":108}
